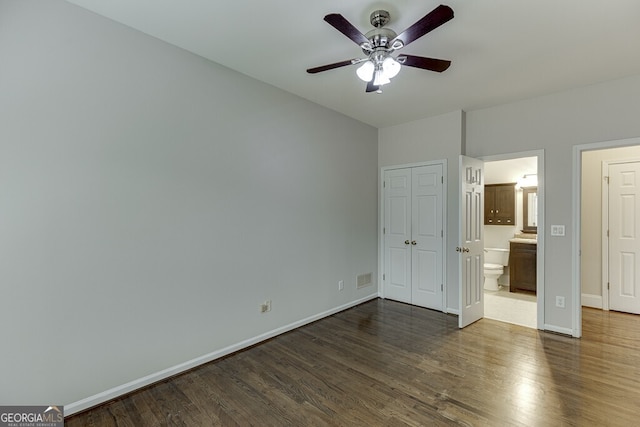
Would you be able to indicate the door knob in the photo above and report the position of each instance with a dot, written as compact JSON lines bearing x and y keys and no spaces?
{"x":406,"y":242}
{"x":413,"y":242}
{"x":465,"y":249}
{"x":458,"y":249}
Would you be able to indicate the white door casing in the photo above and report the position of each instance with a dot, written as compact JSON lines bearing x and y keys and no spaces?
{"x":413,"y":236}
{"x":471,"y":249}
{"x":624,"y":242}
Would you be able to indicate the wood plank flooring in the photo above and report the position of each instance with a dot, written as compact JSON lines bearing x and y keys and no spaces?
{"x":385,"y":363}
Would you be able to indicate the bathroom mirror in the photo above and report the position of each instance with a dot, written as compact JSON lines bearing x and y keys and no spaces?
{"x":530,"y":209}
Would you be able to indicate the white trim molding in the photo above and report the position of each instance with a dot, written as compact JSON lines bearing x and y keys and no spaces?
{"x":558,"y":329}
{"x":115,"y":392}
{"x":593,"y":301}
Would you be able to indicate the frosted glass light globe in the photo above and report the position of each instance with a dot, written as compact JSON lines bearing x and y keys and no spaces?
{"x":365,"y":71}
{"x":380,"y":78}
{"x":391,"y":67}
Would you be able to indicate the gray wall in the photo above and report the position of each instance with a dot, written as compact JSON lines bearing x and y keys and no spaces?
{"x":150,"y":200}
{"x":556,"y":123}
{"x":434,"y":138}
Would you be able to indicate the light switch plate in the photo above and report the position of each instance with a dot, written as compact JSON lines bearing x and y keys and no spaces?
{"x":557,"y":230}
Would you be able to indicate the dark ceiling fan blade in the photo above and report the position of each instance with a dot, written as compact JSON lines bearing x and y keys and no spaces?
{"x":329,"y":66}
{"x":432,"y":64}
{"x":429,"y":22}
{"x":371,"y":87}
{"x":339,"y":22}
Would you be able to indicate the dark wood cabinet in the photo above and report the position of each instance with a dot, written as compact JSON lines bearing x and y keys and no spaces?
{"x":522,"y":267}
{"x":500,"y":204}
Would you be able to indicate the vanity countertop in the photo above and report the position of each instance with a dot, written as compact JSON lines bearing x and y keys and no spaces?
{"x":521,"y":240}
{"x":531,"y":236}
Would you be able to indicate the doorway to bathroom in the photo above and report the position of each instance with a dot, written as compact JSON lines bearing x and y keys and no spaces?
{"x":512,"y":288}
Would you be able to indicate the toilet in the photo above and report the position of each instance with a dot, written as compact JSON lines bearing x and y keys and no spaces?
{"x":495,"y":259}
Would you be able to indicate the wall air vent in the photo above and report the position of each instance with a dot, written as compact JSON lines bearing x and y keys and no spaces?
{"x":363,"y":280}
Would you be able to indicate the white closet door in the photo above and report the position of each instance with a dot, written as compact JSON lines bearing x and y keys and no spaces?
{"x":413,"y":235}
{"x":397,"y":235}
{"x":426,"y":236}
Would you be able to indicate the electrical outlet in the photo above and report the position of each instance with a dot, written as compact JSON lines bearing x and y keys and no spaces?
{"x":560,"y":302}
{"x":265,"y":306}
{"x":341,"y":285}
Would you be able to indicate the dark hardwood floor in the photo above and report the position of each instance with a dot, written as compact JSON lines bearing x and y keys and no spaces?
{"x":385,"y":363}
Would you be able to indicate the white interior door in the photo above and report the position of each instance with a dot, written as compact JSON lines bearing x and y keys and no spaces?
{"x":397,"y":235}
{"x":624,"y":244}
{"x":471,"y":249}
{"x":427,"y":237}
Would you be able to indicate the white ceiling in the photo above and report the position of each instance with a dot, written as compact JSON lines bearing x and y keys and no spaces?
{"x":501,"y":50}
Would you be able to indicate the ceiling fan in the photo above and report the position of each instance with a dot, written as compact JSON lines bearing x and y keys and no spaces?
{"x":379,"y":66}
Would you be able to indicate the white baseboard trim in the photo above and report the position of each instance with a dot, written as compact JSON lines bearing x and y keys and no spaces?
{"x":123,"y":389}
{"x":558,"y":329}
{"x":590,"y":300}
{"x":453,"y":311}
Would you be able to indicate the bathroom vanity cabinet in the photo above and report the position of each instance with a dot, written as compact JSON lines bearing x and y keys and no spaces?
{"x":522,"y":266}
{"x":500,"y":204}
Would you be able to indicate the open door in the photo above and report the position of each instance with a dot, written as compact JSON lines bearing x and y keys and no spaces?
{"x":624,"y":243}
{"x":471,"y":249}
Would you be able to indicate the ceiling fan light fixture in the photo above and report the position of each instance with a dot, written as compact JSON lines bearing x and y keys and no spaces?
{"x":380,"y":78}
{"x":365,"y":71}
{"x":378,"y":67}
{"x":390,"y":67}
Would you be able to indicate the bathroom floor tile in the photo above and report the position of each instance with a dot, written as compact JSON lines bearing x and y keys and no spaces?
{"x":511,"y":307}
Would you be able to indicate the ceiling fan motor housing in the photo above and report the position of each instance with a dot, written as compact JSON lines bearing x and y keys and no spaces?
{"x":380,"y":37}
{"x":379,"y":18}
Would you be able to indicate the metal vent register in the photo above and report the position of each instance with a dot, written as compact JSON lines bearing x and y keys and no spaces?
{"x":363,"y":280}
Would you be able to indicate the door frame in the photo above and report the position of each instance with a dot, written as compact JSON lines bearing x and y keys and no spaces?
{"x":576,"y":201}
{"x":443,"y":163}
{"x":540,"y":277}
{"x":604,"y":172}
